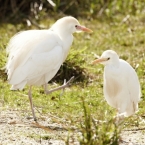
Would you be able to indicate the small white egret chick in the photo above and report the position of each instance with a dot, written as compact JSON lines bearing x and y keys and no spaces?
{"x":35,"y":56}
{"x":121,"y":84}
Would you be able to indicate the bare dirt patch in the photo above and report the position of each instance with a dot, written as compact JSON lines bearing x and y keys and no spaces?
{"x":16,"y":130}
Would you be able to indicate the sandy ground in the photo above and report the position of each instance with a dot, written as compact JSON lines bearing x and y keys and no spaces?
{"x":14,"y":131}
{"x":135,"y":136}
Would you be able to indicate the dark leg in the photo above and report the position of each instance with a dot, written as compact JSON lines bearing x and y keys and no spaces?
{"x":31,"y":104}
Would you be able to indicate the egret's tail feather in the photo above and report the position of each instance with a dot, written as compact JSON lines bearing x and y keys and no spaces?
{"x":19,"y":86}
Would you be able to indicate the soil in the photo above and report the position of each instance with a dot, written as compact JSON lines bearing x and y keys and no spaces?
{"x":16,"y":130}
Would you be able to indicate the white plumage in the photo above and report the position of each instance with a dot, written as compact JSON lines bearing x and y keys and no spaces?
{"x":35,"y":56}
{"x":36,"y":60}
{"x":121,"y":84}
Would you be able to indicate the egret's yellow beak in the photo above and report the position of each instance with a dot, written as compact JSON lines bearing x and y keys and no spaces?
{"x":99,"y":60}
{"x":83,"y":28}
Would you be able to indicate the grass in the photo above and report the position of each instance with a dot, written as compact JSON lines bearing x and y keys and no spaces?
{"x":83,"y":101}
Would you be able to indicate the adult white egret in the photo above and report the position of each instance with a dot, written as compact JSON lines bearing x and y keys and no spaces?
{"x":121,"y":84}
{"x":35,"y":56}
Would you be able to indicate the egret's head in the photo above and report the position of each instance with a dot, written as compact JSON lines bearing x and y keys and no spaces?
{"x":108,"y":57}
{"x":69,"y":24}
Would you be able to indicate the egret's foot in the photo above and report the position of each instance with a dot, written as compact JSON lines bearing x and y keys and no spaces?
{"x":66,"y":84}
{"x":31,"y":117}
{"x":118,"y":119}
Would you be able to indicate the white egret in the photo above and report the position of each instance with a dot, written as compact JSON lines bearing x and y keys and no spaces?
{"x":35,"y":56}
{"x":121,"y":84}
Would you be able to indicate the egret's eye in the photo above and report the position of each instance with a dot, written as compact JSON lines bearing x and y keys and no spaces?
{"x":76,"y":26}
{"x":108,"y":58}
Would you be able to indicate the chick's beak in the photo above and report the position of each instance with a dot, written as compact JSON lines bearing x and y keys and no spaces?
{"x":83,"y":28}
{"x":99,"y":60}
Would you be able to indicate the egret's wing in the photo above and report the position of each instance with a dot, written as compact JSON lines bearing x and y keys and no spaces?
{"x":132,"y":81}
{"x":134,"y":86}
{"x":26,"y":43}
{"x":38,"y":65}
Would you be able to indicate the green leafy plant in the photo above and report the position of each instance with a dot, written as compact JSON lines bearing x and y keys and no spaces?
{"x":97,"y":131}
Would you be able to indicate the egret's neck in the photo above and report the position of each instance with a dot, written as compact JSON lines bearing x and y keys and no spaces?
{"x":67,"y":42}
{"x":113,"y":67}
{"x":115,"y":64}
{"x":67,"y":39}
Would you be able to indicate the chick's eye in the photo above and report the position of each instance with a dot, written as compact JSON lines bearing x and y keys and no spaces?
{"x":76,"y":26}
{"x":108,"y":58}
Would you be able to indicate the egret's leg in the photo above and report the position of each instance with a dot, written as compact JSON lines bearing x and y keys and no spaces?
{"x":45,"y":88}
{"x":31,"y":104}
{"x":66,"y":84}
{"x":119,"y":118}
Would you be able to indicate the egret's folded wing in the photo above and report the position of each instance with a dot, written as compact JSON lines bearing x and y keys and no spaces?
{"x":23,"y":45}
{"x":134,"y":86}
{"x":38,"y":65}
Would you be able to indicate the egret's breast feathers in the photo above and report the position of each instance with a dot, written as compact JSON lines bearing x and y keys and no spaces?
{"x":112,"y":86}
